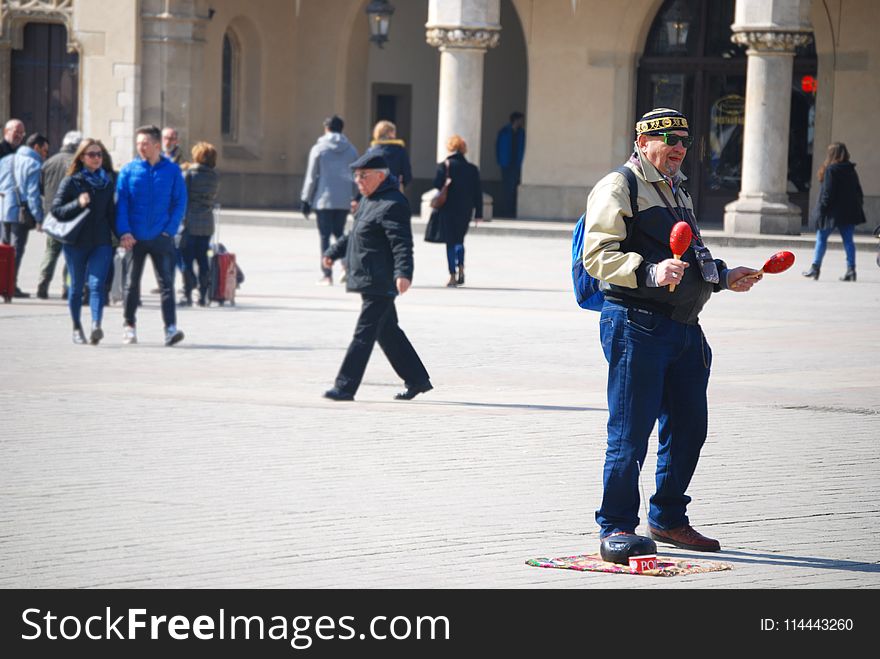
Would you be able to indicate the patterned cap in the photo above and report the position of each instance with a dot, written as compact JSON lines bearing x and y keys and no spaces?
{"x":660,"y":120}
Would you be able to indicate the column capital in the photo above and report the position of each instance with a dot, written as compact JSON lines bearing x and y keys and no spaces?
{"x":771,"y":41}
{"x":476,"y":38}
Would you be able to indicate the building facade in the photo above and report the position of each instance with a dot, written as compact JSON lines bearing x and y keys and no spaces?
{"x":768,"y":84}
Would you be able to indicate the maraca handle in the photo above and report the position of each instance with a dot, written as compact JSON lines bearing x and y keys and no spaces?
{"x":672,"y":286}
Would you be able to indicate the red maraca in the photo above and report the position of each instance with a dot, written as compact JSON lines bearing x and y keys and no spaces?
{"x":779,"y":262}
{"x":679,"y":241}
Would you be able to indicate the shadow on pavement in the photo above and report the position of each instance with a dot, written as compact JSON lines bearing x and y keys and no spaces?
{"x":782,"y":560}
{"x":518,"y":406}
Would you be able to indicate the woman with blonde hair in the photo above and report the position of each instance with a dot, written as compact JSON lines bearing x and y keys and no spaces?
{"x":385,"y":142}
{"x":87,"y":186}
{"x":464,"y":201}
{"x":839,"y":206}
{"x":198,"y":225}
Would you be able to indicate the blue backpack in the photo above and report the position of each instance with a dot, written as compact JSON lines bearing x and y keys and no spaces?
{"x":586,"y":287}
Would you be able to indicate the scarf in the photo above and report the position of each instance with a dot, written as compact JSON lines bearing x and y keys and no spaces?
{"x":97,"y":179}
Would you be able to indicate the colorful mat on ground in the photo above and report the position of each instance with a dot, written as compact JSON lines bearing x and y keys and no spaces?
{"x":667,"y":567}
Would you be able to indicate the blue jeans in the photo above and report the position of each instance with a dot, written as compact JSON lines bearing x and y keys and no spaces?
{"x":849,"y":245}
{"x":657,"y":369}
{"x":454,"y":256}
{"x":87,"y":266}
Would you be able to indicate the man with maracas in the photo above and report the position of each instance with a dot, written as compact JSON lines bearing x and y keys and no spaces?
{"x":658,"y":357}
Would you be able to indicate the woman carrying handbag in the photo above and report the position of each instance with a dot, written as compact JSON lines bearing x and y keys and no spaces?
{"x":90,"y":253}
{"x":464,"y":201}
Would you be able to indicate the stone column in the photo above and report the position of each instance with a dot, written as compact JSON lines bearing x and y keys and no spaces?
{"x":463,"y":30}
{"x":173,"y":61}
{"x":775,"y":28}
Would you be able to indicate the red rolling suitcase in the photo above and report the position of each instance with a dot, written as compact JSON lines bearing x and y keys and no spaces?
{"x":7,"y":272}
{"x":223,"y":276}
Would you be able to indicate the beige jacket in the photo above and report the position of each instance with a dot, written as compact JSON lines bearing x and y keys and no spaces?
{"x":605,"y":227}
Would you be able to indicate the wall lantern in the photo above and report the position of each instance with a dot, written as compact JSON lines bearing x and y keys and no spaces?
{"x":379,"y":16}
{"x":677,"y":25}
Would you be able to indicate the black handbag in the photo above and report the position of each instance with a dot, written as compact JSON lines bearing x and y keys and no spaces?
{"x":25,"y":217}
{"x":434,"y":232}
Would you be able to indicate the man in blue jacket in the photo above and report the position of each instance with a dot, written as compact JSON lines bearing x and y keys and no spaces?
{"x":20,"y":185}
{"x":510,"y":148}
{"x":150,"y":207}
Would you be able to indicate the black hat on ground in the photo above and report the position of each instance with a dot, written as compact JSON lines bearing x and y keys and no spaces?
{"x":370,"y":160}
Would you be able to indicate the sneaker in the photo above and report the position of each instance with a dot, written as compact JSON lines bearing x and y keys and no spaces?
{"x":324,"y":281}
{"x":172,"y":336}
{"x":78,"y":337}
{"x":43,"y":291}
{"x":96,"y":335}
{"x":20,"y":293}
{"x":129,"y":334}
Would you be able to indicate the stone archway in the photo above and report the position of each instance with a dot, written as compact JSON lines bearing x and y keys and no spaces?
{"x":14,"y":16}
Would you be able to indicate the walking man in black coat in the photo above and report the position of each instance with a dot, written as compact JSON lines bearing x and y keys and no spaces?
{"x":379,"y":252}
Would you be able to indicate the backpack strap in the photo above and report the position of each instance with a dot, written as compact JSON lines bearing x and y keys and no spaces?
{"x":630,"y":176}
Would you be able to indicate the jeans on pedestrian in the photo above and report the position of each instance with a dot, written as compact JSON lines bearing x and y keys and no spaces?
{"x":454,"y":256}
{"x":195,"y":252}
{"x":162,"y":253}
{"x":849,"y":245}
{"x":330,"y":222}
{"x":378,"y":322}
{"x":15,"y":234}
{"x":87,"y":266}
{"x":658,"y":369}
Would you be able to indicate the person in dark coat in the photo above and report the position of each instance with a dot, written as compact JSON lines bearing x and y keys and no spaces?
{"x":198,"y":225}
{"x":87,"y":186}
{"x":510,"y":149}
{"x":379,"y":252}
{"x":386,"y":144}
{"x":464,"y":201}
{"x":839,"y":206}
{"x":53,"y":172}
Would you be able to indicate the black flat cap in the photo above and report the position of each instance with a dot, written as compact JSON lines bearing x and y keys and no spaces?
{"x":370,"y":160}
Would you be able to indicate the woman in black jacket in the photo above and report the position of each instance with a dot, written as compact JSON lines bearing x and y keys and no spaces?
{"x":385,"y":142}
{"x":464,"y":201}
{"x":87,"y":186}
{"x":839,"y":206}
{"x":198,"y":225}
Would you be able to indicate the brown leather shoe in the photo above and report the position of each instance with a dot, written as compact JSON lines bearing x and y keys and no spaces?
{"x":685,"y":537}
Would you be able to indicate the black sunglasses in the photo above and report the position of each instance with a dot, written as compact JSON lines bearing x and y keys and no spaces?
{"x":671,"y":139}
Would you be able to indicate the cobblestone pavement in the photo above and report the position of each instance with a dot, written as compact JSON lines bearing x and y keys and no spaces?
{"x":216,"y":463}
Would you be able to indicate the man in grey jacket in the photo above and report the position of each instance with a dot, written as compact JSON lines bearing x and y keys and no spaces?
{"x":54,"y":170}
{"x":328,"y":186}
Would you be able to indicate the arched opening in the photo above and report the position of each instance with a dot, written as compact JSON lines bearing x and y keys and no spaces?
{"x":689,"y":63}
{"x":230,"y":84}
{"x":243,"y":88}
{"x":44,"y":85}
{"x":505,"y":90}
